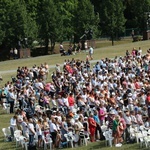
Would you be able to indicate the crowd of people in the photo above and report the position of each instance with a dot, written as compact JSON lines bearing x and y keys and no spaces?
{"x":81,"y":98}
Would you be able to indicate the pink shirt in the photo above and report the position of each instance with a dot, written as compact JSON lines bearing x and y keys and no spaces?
{"x":101,"y":111}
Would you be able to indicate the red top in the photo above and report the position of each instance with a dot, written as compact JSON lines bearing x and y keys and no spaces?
{"x":71,"y":101}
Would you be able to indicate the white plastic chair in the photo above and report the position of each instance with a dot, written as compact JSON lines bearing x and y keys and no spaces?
{"x":6,"y":132}
{"x":147,"y":141}
{"x":7,"y":107}
{"x":17,"y":135}
{"x":144,"y":133}
{"x":132,"y":132}
{"x":84,"y":138}
{"x":47,"y":141}
{"x":142,"y":128}
{"x":35,"y":138}
{"x":16,"y":106}
{"x":24,"y":143}
{"x":148,"y":132}
{"x":104,"y":128}
{"x":69,"y":139}
{"x":138,"y":136}
{"x":108,"y":137}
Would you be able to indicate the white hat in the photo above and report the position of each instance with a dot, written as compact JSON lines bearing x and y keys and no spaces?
{"x":112,"y":112}
{"x":130,"y":100}
{"x":130,"y":94}
{"x":121,"y":101}
{"x":113,"y":93}
{"x":85,"y":117}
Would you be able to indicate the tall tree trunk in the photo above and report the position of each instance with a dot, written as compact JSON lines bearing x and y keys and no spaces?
{"x":46,"y":46}
{"x":112,"y":39}
{"x":52,"y":46}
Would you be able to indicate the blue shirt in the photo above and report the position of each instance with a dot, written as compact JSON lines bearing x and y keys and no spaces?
{"x":96,"y":118}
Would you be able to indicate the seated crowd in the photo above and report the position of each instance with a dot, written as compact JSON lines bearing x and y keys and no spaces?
{"x":81,"y":99}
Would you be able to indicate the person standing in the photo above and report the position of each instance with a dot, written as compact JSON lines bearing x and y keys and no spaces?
{"x":91,"y":50}
{"x":11,"y":99}
{"x":39,"y":127}
{"x":15,"y":53}
{"x":98,"y":129}
{"x":13,"y":125}
{"x":92,"y":127}
{"x":53,"y":132}
{"x":71,"y":101}
{"x":115,"y":129}
{"x":31,"y":132}
{"x":85,"y":45}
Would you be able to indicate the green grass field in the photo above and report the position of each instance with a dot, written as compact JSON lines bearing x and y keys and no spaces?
{"x":103,"y":50}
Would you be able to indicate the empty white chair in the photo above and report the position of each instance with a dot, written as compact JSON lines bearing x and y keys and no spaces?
{"x":108,"y":137}
{"x":69,"y":139}
{"x":6,"y":133}
{"x":138,"y":136}
{"x":35,"y":139}
{"x":142,"y":128}
{"x":132,"y":132}
{"x":144,"y":133}
{"x":148,"y":132}
{"x":47,"y":141}
{"x":147,"y":141}
{"x":17,"y":135}
{"x":104,"y":128}
{"x":24,"y":142}
{"x":6,"y":107}
{"x":84,"y":138}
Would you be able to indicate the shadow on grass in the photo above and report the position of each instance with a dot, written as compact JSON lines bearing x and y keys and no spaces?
{"x":102,"y":146}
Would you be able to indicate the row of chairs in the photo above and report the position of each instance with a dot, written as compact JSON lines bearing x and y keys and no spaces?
{"x":142,"y":135}
{"x":71,"y":139}
{"x":6,"y":107}
{"x":108,"y":137}
{"x":23,"y":141}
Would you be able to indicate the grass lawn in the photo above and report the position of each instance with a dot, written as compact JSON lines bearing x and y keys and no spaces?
{"x":100,"y":145}
{"x":103,"y":49}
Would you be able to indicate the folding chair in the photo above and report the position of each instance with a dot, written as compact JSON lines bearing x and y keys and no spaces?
{"x":47,"y":141}
{"x":17,"y":135}
{"x":84,"y":138}
{"x":69,"y":138}
{"x":108,"y":137}
{"x":6,"y":133}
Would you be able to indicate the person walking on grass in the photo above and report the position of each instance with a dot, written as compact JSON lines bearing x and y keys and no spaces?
{"x":91,"y":50}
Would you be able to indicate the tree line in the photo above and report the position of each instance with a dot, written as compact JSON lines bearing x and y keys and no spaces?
{"x":51,"y":21}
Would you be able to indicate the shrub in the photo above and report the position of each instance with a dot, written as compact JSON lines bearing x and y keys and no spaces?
{"x":137,"y":38}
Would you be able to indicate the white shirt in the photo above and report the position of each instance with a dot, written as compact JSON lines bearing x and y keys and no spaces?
{"x":15,"y":51}
{"x":127,"y":119}
{"x":53,"y":127}
{"x":31,"y":127}
{"x":25,"y":127}
{"x":65,"y":101}
{"x":91,"y":50}
{"x":139,"y":118}
{"x":38,"y":130}
{"x":12,"y":122}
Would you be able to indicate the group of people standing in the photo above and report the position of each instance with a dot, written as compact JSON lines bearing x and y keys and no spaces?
{"x":81,"y":98}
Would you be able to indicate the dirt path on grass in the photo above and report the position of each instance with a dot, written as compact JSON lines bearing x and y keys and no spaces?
{"x":50,"y":67}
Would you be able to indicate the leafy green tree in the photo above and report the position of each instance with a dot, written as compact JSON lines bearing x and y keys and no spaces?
{"x":66,"y":9}
{"x":135,"y":13}
{"x":84,"y":19}
{"x":32,"y":30}
{"x":2,"y":22}
{"x":17,"y":23}
{"x":112,"y":16}
{"x":49,"y":23}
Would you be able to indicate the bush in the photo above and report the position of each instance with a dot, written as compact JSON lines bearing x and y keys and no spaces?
{"x":137,"y":38}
